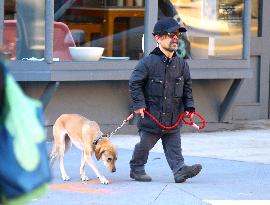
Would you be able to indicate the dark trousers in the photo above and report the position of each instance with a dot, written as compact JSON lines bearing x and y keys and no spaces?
{"x":171,"y":143}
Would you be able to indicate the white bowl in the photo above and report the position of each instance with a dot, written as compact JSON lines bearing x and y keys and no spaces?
{"x":86,"y":53}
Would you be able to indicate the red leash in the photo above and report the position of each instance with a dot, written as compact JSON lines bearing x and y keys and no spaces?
{"x":181,"y":117}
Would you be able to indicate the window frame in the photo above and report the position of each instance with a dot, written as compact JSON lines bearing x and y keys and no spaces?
{"x":50,"y":70}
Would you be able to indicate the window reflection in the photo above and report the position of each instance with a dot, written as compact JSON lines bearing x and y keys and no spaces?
{"x":24,"y":29}
{"x":255,"y":6}
{"x":115,"y":25}
{"x":9,"y":39}
{"x":214,"y":26}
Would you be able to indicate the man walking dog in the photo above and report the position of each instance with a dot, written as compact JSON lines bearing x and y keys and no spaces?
{"x":162,"y":85}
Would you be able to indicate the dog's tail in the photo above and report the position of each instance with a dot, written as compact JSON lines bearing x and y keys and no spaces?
{"x":53,"y":154}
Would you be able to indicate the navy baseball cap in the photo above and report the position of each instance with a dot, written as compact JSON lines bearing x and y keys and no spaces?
{"x":167,"y":25}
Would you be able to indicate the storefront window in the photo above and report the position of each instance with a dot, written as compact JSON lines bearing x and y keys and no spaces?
{"x":214,"y":26}
{"x":24,"y":29}
{"x":115,"y":25}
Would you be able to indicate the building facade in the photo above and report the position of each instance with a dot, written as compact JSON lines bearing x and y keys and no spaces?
{"x":226,"y":47}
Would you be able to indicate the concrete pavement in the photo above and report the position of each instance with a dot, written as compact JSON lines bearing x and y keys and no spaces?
{"x":236,"y":167}
{"x":240,"y":145}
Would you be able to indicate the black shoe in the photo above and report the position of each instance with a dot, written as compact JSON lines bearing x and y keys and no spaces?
{"x":187,"y":172}
{"x":140,"y":176}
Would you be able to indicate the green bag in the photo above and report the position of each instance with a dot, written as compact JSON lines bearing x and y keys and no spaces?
{"x":24,"y":163}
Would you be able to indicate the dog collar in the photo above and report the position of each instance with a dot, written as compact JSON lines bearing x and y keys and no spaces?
{"x":97,"y":139}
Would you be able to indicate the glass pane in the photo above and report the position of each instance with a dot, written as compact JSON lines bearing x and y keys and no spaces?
{"x":24,"y":29}
{"x":115,"y":25}
{"x":214,"y":27}
{"x":254,"y":18}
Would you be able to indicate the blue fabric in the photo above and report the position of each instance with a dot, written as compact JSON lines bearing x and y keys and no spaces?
{"x":14,"y":180}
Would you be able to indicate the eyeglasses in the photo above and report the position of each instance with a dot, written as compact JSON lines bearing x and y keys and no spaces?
{"x":172,"y":34}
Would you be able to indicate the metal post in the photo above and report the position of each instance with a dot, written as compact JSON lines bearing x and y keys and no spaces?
{"x":246,"y":29}
{"x":47,"y":94}
{"x":150,"y":18}
{"x":49,"y":19}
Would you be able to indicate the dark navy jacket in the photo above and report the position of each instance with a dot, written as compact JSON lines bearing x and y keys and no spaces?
{"x":164,"y":87}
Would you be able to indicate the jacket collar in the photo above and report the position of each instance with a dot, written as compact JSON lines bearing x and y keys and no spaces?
{"x":164,"y":58}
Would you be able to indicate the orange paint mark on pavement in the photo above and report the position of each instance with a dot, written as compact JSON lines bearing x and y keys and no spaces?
{"x":79,"y":187}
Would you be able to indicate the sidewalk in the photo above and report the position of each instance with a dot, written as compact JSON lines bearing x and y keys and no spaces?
{"x":240,"y":145}
{"x":236,"y":167}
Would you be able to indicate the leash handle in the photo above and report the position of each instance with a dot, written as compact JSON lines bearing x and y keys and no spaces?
{"x":202,"y":121}
{"x":191,"y":123}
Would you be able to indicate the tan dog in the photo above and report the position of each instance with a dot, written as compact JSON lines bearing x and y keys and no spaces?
{"x":75,"y":129}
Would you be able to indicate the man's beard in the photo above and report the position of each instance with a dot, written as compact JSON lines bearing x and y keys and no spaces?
{"x":171,"y":49}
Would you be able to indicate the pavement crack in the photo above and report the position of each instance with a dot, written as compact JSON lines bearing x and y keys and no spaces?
{"x":191,"y":194}
{"x":159,"y":193}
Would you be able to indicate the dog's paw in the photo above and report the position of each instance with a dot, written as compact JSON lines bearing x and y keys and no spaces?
{"x":103,"y":180}
{"x":84,"y":178}
{"x":66,"y":178}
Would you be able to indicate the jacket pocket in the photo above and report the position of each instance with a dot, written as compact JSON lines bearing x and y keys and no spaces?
{"x":178,"y":88}
{"x":166,"y":119}
{"x":148,"y":122}
{"x":156,"y":87}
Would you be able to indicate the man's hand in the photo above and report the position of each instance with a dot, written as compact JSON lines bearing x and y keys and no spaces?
{"x":190,"y":109}
{"x":140,"y":111}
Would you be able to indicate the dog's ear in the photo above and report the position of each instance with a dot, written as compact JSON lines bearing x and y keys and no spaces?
{"x":99,"y":151}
